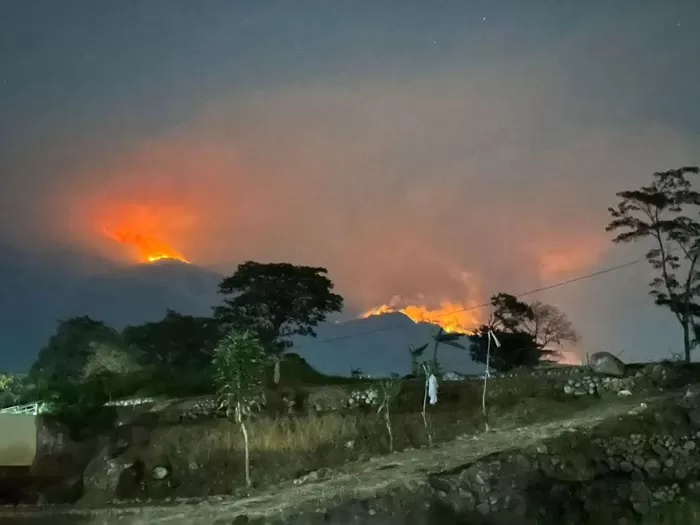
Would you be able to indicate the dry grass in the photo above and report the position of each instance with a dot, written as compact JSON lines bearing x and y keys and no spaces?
{"x":360,"y":480}
{"x":207,"y":457}
{"x":203,"y":442}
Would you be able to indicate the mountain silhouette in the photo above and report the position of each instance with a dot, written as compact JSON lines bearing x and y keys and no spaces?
{"x":379,"y":346}
{"x":143,"y":293}
{"x":38,"y":291}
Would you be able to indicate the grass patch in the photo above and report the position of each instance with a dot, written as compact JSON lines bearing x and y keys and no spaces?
{"x":206,"y":457}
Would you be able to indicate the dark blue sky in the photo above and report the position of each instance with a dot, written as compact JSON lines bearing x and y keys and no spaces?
{"x":439,"y":151}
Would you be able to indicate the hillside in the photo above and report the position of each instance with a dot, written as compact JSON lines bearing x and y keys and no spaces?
{"x":378,"y":345}
{"x":38,"y":291}
{"x":35,"y":288}
{"x":142,"y":293}
{"x":609,"y":456}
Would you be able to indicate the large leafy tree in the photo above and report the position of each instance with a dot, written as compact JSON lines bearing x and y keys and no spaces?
{"x":111,"y":360}
{"x":276,"y":301}
{"x":666,"y":213}
{"x":517,"y":349}
{"x":67,"y":375}
{"x":525,"y":332}
{"x":177,"y":342}
{"x":68,"y":351}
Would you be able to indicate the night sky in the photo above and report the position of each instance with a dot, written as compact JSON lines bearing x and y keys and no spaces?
{"x":424,"y":152}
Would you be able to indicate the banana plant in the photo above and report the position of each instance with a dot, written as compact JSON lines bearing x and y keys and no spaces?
{"x":416,"y":353}
{"x":446,"y":338}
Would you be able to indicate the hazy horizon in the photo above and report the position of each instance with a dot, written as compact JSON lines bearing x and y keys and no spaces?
{"x":426,"y":155}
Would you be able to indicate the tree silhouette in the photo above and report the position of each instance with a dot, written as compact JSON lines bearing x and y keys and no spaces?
{"x":665,"y":213}
{"x":175,"y":343}
{"x":549,"y":326}
{"x":239,"y":366}
{"x":517,"y":349}
{"x":444,"y":338}
{"x":276,"y":301}
{"x":524,"y":330}
{"x":69,"y":349}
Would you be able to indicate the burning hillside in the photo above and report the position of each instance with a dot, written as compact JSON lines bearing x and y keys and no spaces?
{"x":148,"y":250}
{"x":452,"y":317}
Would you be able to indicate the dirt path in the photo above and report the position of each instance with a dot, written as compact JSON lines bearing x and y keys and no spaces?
{"x":361,"y":480}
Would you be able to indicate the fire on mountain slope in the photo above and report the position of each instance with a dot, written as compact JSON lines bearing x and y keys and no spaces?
{"x":452,"y":317}
{"x":148,"y":250}
{"x":457,"y":318}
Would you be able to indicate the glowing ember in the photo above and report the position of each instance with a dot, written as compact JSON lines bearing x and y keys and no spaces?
{"x":452,"y":317}
{"x":147,"y":250}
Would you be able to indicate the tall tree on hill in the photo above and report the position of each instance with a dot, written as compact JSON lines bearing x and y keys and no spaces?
{"x":82,"y":367}
{"x":666,"y":212}
{"x":526,"y":333}
{"x":276,"y":301}
{"x":65,"y":356}
{"x":176,"y":342}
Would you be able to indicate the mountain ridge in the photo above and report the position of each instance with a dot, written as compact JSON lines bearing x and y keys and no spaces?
{"x":36,"y":296}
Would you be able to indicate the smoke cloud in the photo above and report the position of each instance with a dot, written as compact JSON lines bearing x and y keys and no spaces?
{"x":448,"y":184}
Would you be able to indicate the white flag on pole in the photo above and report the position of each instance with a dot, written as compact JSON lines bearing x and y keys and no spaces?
{"x":433,"y":389}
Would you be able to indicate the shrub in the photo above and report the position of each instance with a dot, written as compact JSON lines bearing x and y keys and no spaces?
{"x":239,"y":364}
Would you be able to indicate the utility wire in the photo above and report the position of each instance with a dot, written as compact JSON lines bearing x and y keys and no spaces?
{"x":486,"y":305}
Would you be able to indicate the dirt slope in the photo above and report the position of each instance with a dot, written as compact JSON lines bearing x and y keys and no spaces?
{"x":404,"y":471}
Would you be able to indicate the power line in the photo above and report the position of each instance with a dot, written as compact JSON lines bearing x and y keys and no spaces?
{"x":485,"y":305}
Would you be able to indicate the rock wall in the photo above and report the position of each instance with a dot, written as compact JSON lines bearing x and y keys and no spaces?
{"x":628,"y":468}
{"x":617,"y":473}
{"x":556,"y":381}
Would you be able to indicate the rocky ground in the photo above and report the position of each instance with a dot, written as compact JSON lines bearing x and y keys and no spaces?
{"x":389,"y":489}
{"x":562,"y":446}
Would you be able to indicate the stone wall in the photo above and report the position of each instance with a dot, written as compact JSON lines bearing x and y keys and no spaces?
{"x":622,"y":469}
{"x":546,"y":382}
{"x":615,"y":474}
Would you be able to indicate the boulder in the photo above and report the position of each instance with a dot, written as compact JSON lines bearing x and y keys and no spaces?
{"x":160,"y":473}
{"x":102,"y":477}
{"x":67,"y":490}
{"x":58,"y":456}
{"x":605,"y":363}
{"x":52,"y":438}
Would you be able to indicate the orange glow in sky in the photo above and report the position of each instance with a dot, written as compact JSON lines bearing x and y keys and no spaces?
{"x":452,"y":317}
{"x":148,"y":232}
{"x":147,"y":249}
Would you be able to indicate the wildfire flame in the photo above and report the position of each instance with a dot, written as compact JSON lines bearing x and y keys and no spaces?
{"x":148,"y":250}
{"x":452,"y":317}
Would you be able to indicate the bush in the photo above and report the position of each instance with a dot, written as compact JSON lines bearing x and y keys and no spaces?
{"x":80,"y":405}
{"x":11,"y":389}
{"x":239,"y":364}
